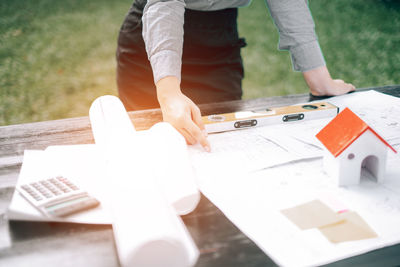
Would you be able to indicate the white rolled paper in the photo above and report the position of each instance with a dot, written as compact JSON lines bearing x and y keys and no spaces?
{"x":172,"y":168}
{"x":147,"y":230}
{"x":110,"y":122}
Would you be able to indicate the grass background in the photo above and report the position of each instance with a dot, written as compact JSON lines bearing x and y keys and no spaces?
{"x":56,"y":57}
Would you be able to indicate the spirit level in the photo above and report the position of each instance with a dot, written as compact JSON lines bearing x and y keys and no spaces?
{"x":244,"y":119}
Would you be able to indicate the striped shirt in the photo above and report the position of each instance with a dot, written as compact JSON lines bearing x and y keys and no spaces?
{"x":163,"y":32}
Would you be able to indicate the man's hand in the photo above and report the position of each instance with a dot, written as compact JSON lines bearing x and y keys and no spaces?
{"x":181,"y":112}
{"x":320,"y":83}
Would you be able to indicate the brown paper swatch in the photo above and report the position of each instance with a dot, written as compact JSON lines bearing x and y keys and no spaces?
{"x":312,"y":214}
{"x":351,"y":228}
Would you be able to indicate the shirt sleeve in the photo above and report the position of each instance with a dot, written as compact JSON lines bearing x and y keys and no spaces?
{"x":163,"y":36}
{"x":297,"y":33}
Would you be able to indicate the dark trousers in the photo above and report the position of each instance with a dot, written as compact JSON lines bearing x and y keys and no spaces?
{"x":212,"y":69}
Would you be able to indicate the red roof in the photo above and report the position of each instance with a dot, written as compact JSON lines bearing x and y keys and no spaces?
{"x":343,"y":130}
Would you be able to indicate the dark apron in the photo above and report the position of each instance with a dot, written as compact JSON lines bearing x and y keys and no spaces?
{"x":212,"y":69}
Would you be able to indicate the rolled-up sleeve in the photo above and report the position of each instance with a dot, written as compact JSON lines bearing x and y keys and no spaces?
{"x":163,"y":36}
{"x":297,"y":33}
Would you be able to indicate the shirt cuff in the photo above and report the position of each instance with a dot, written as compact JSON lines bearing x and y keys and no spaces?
{"x":307,"y":56}
{"x":166,"y":63}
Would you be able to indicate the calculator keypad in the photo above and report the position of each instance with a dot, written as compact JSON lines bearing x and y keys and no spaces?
{"x":57,"y":196}
{"x":49,"y":190}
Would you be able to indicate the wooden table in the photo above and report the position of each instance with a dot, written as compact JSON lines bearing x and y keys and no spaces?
{"x":59,"y":244}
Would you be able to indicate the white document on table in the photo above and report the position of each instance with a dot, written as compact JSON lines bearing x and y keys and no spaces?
{"x":252,"y":198}
{"x":252,"y":201}
{"x":378,"y":110}
{"x":80,"y":163}
{"x":253,"y":149}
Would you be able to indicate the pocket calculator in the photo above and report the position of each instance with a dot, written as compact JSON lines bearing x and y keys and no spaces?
{"x":57,"y":196}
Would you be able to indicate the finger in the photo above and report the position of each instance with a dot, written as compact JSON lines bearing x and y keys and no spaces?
{"x":188,"y":137}
{"x":344,"y":87}
{"x":196,"y":116}
{"x":348,"y":87}
{"x":339,"y":81}
{"x":195,"y":132}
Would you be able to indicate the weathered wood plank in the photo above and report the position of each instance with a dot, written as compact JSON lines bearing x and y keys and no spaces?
{"x":9,"y":176}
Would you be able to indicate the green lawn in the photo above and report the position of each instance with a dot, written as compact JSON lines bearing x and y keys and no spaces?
{"x":56,"y":57}
{"x":360,"y":40}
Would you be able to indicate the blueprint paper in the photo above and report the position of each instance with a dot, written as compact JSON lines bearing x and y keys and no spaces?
{"x":172,"y":167}
{"x":145,"y":209}
{"x":252,"y":201}
{"x":164,"y":149}
{"x":144,"y":222}
{"x":380,"y":111}
{"x":252,"y":198}
{"x":249,"y":150}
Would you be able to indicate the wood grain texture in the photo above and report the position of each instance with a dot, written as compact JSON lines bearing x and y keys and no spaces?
{"x":56,"y":244}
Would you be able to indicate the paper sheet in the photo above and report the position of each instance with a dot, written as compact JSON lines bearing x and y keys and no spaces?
{"x":145,"y":208}
{"x":336,"y":227}
{"x":252,"y":200}
{"x":81,"y":163}
{"x":312,"y":214}
{"x":378,"y":110}
{"x":248,"y":150}
{"x":351,"y":228}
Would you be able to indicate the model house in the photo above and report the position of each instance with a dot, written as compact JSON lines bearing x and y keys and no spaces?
{"x":351,"y":145}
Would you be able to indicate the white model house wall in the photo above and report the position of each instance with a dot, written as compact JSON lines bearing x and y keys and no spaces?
{"x":346,"y":168}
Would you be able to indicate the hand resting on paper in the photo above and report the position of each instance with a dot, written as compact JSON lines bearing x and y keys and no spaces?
{"x":321,"y":84}
{"x":181,"y":112}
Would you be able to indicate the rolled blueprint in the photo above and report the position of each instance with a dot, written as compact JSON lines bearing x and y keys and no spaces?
{"x":172,"y":167}
{"x":147,"y":230}
{"x":110,"y":122}
{"x":166,"y":149}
